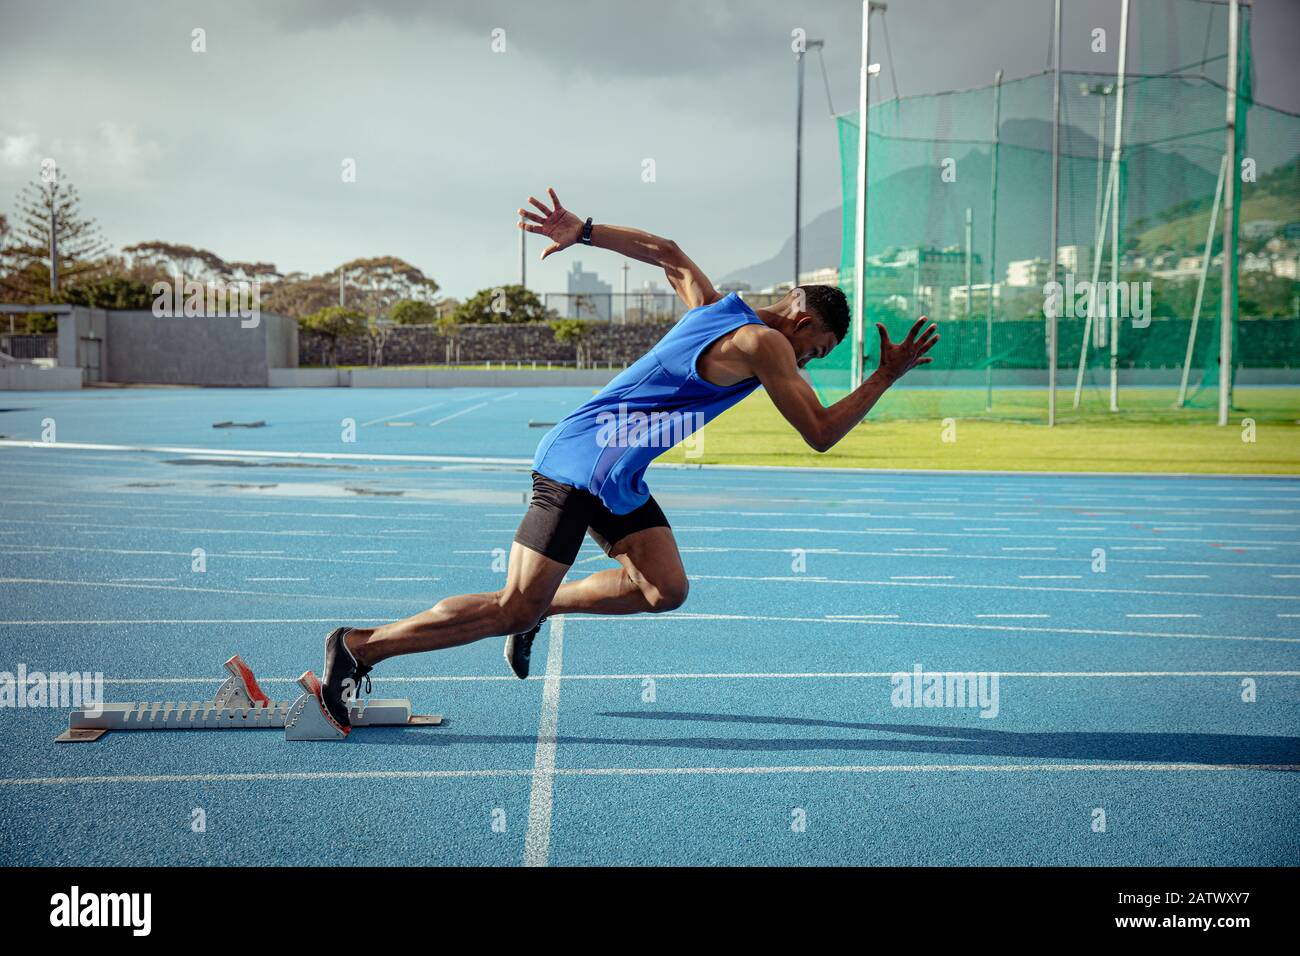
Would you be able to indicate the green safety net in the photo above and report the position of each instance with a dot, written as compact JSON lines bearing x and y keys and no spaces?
{"x":932,"y":158}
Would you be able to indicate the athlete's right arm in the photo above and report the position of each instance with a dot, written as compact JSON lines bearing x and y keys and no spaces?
{"x":564,"y":228}
{"x":772,"y":361}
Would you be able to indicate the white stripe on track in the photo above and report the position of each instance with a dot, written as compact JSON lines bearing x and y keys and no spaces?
{"x":537,"y":841}
{"x":650,"y":772}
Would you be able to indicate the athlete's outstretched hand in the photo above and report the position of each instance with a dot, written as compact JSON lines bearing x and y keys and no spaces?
{"x":559,"y":225}
{"x":896,"y":360}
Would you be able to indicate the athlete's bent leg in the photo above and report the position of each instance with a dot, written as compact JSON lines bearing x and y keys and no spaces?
{"x":531,"y":582}
{"x":651,"y":579}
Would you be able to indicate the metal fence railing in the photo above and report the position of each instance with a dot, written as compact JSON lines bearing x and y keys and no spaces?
{"x":30,"y":346}
{"x":618,"y":307}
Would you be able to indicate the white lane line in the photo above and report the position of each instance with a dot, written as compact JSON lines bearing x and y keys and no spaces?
{"x":277,"y":579}
{"x":719,"y":675}
{"x":1029,"y":549}
{"x":388,"y":551}
{"x":1136,"y":547}
{"x":463,"y":411}
{"x":995,"y":587}
{"x":146,"y":580}
{"x":102,"y":622}
{"x":920,"y":577}
{"x":1285,"y":577}
{"x":986,"y":529}
{"x":1050,"y":577}
{"x":247,"y":453}
{"x":861,"y":617}
{"x":406,"y":579}
{"x":181,"y":587}
{"x":1289,"y":615}
{"x":106,"y":780}
{"x":409,"y":411}
{"x":1035,"y":616}
{"x":924,"y":550}
{"x":537,"y":841}
{"x":472,"y":408}
{"x":1161,"y":615}
{"x":685,"y":617}
{"x":1178,"y":577}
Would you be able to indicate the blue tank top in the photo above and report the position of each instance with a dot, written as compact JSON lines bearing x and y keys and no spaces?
{"x":605,"y":445}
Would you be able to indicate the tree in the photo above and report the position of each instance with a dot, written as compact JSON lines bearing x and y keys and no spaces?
{"x":333,"y":323}
{"x":109,"y":292}
{"x":376,"y":285}
{"x":572,"y":332}
{"x":174,"y":258}
{"x":413,"y":312}
{"x":299,"y":295}
{"x":378,"y":332}
{"x":509,"y":304}
{"x":45,"y":208}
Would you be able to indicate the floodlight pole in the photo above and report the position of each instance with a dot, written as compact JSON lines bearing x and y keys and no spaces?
{"x":523,"y":259}
{"x":1114,"y":219}
{"x":993,"y":243}
{"x":860,"y":232}
{"x":798,"y":153}
{"x":1056,"y":169}
{"x":1229,"y":224}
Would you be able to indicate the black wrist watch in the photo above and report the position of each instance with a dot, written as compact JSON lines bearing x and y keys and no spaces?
{"x":586,"y":232}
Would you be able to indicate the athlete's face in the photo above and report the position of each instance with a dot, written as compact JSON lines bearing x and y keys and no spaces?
{"x":811,"y":339}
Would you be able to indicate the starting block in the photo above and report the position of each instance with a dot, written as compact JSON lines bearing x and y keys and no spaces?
{"x":240,"y":704}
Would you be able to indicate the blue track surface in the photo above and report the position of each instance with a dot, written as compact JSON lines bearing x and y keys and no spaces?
{"x":753,"y":726}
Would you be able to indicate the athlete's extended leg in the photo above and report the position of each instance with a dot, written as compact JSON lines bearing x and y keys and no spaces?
{"x":531,"y":581}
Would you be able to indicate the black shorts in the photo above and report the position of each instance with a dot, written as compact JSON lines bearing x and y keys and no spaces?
{"x":559,"y":515}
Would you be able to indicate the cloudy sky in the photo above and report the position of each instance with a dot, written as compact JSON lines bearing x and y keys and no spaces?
{"x":240,"y":149}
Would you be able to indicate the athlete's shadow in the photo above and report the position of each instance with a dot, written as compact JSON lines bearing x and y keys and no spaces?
{"x":1203,"y":748}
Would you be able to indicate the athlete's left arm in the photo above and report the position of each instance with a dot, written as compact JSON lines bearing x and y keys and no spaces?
{"x":564,"y":228}
{"x":772,"y":361}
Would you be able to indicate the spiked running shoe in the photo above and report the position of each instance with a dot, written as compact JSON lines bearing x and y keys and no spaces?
{"x":519,"y":650}
{"x":341,"y":679}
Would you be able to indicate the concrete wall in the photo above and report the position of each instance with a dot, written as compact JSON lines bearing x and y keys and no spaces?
{"x":434,"y":378}
{"x":175,"y":350}
{"x":30,"y":378}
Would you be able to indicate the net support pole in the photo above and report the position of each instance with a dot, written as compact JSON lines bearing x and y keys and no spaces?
{"x":1226,"y":316}
{"x":993,"y":244}
{"x":860,"y":230}
{"x":1056,"y":169}
{"x":1200,"y":286}
{"x":1106,"y":207}
{"x":1115,"y":204}
{"x":969,"y":272}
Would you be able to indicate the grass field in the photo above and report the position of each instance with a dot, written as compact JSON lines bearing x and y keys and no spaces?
{"x":907,"y":430}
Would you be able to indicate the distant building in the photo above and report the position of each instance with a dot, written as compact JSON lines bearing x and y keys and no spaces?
{"x":980,"y":298}
{"x":1028,"y":272}
{"x":729,"y":287}
{"x":1260,"y":228}
{"x":1076,"y":260}
{"x":596,"y":294}
{"x":828,"y":275}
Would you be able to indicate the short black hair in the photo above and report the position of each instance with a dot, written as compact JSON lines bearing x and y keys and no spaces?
{"x":827,"y":302}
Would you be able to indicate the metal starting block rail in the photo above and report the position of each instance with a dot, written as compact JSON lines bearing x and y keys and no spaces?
{"x":240,"y":704}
